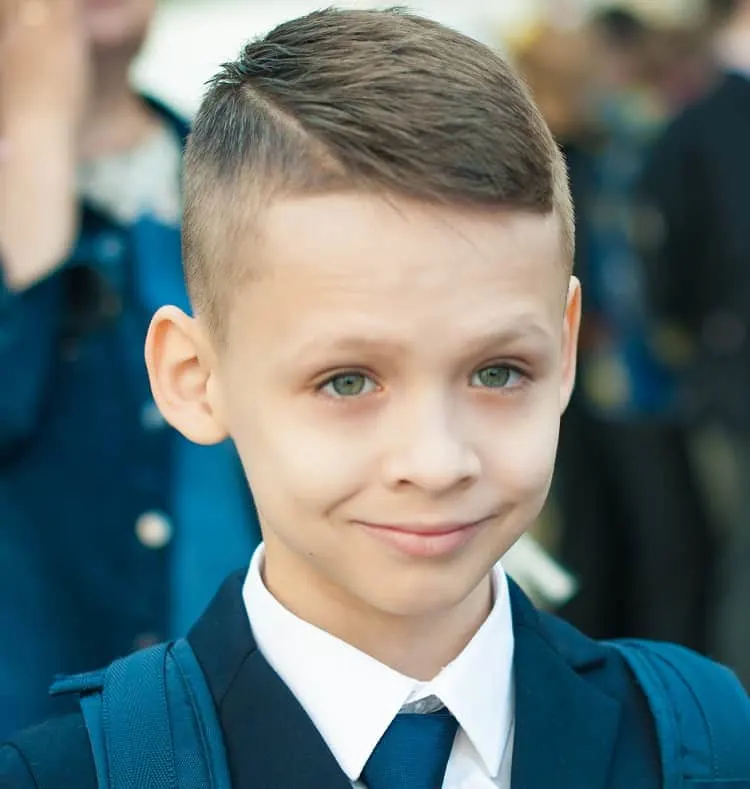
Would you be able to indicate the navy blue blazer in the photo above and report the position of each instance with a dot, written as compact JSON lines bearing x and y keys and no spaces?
{"x":580,"y":719}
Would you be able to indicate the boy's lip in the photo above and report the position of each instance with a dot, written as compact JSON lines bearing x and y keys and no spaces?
{"x":421,"y":540}
{"x":425,"y":529}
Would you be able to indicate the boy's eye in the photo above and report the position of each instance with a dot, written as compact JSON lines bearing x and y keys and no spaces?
{"x":348,"y":385}
{"x":496,"y":377}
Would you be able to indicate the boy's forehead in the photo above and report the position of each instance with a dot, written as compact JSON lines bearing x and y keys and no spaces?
{"x":365,"y":266}
{"x":388,"y":237}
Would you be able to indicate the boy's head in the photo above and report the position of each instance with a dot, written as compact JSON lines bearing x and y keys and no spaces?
{"x":378,"y":242}
{"x":365,"y":101}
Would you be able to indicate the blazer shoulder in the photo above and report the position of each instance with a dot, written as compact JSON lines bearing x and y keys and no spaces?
{"x":601,"y":665}
{"x":50,"y":755}
{"x":598,"y":662}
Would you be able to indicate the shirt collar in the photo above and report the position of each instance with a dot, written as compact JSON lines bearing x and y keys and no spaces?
{"x":336,"y":680}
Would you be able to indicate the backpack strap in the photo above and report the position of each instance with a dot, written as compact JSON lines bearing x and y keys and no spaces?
{"x":88,"y":688}
{"x":200,"y":732}
{"x":701,"y":711}
{"x":151,"y":721}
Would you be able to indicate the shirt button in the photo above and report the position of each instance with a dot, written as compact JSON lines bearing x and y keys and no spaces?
{"x":153,"y":530}
{"x":151,"y":418}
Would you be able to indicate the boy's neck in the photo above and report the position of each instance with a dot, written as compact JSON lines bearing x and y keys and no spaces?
{"x":418,"y":647}
{"x":116,"y":118}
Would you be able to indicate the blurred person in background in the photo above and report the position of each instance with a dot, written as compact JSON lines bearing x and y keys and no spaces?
{"x":662,"y":545}
{"x":683,"y":68}
{"x":114,"y":532}
{"x":622,"y":460}
{"x":698,"y":274}
{"x":556,"y":63}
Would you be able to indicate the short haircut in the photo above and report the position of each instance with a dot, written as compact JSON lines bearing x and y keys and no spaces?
{"x":366,"y":100}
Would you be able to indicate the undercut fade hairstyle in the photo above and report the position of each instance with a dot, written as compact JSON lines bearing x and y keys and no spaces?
{"x":359,"y":100}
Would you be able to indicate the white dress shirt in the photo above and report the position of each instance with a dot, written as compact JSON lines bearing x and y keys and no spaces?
{"x":352,"y":698}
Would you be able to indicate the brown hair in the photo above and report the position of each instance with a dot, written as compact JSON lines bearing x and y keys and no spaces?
{"x":360,"y":99}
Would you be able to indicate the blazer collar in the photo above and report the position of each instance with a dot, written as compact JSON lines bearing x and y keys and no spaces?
{"x":270,"y":741}
{"x":565,"y":727}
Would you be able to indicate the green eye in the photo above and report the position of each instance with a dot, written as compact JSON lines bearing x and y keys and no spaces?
{"x":348,"y":385}
{"x":496,"y":377}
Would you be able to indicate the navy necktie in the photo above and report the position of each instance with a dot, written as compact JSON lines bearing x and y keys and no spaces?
{"x":413,"y":753}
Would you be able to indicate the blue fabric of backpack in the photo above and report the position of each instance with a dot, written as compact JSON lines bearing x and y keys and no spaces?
{"x":152,"y":722}
{"x":702,"y":715}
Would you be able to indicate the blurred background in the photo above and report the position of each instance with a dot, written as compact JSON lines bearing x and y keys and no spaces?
{"x":647,"y":531}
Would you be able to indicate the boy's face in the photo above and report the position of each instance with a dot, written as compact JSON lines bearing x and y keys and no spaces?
{"x":393,"y":379}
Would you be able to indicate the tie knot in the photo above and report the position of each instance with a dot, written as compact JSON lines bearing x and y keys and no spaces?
{"x":413,"y":753}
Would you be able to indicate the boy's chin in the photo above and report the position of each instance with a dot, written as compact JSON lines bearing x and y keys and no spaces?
{"x":424,"y":598}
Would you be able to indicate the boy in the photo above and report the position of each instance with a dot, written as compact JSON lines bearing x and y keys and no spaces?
{"x":377,"y":240}
{"x":112,"y":526}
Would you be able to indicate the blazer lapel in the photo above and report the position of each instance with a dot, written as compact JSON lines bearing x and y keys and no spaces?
{"x":565,"y":731}
{"x":566,"y":728}
{"x":270,"y":741}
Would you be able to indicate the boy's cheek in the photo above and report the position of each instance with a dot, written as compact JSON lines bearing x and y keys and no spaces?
{"x":311,"y":465}
{"x":526,"y":462}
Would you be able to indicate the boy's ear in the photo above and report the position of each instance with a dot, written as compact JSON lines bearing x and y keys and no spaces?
{"x":571,"y":325}
{"x":182,"y":371}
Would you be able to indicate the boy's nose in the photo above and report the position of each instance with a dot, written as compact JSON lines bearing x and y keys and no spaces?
{"x":431,"y":451}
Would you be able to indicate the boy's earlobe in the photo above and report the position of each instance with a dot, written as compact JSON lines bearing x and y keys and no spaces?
{"x":571,"y":326}
{"x":180,"y":361}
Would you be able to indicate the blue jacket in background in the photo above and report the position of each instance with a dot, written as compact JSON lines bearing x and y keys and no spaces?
{"x":114,"y":530}
{"x":623,"y":373}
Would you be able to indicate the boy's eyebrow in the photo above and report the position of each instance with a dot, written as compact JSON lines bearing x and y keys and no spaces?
{"x":522,"y":331}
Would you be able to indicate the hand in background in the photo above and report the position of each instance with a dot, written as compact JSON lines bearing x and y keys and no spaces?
{"x":44,"y":83}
